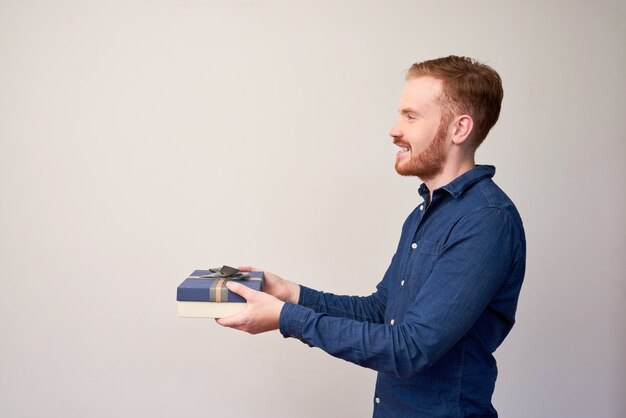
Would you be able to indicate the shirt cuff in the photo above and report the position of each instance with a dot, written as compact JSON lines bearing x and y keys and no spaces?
{"x":292,"y":319}
{"x":309,"y":297}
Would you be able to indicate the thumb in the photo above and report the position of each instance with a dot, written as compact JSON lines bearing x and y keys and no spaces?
{"x":243,"y":291}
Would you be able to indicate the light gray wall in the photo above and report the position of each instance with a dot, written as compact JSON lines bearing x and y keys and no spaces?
{"x":140,"y":140}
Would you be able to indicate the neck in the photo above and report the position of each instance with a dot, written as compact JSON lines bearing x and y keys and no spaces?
{"x":451,"y":170}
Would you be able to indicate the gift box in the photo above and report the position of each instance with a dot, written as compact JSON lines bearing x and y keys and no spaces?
{"x":204,"y":294}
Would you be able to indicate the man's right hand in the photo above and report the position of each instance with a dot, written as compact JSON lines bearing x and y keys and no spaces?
{"x":276,"y":286}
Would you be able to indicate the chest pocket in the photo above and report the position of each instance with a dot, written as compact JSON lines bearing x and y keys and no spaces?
{"x":421,"y":263}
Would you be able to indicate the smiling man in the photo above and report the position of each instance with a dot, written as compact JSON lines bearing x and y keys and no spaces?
{"x":449,"y":297}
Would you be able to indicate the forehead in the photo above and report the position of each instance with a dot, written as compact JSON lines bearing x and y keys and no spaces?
{"x":421,"y":93}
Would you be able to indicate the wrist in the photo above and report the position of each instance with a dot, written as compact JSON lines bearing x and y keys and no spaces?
{"x":294,"y":292}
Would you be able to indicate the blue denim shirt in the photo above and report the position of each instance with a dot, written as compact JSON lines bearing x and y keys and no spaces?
{"x":446,"y":302}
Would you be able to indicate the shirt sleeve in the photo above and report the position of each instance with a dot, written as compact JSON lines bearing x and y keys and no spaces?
{"x":361,"y":308}
{"x":475,"y":261}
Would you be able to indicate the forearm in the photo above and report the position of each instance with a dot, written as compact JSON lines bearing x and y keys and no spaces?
{"x":361,"y":308}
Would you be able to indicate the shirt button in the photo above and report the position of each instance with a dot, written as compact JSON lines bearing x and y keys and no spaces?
{"x":421,"y":207}
{"x":377,"y":400}
{"x":414,"y":245}
{"x":393,"y":321}
{"x":402,"y":283}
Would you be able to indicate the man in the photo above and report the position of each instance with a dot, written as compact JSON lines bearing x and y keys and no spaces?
{"x":448,"y":299}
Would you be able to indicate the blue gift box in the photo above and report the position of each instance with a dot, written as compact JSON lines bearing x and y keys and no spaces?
{"x":196,"y":289}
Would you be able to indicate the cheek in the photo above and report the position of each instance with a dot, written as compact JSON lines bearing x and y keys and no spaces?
{"x":421,"y":138}
{"x":417,"y":142}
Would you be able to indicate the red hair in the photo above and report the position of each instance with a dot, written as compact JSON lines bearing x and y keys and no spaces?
{"x":469,"y":87}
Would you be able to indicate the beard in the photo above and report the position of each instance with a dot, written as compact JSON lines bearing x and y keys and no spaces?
{"x":430,"y":162}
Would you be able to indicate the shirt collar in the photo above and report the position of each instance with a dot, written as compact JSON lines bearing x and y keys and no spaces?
{"x":457,"y":186}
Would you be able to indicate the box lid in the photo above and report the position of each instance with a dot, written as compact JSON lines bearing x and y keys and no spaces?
{"x":195,"y":289}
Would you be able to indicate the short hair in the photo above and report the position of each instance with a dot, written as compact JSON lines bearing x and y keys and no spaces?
{"x":469,"y":87}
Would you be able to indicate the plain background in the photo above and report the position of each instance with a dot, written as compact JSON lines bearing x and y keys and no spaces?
{"x":140,"y":140}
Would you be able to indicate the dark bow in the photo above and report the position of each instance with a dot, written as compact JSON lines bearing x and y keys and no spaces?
{"x":226,"y":272}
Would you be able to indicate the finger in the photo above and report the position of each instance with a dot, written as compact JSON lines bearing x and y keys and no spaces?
{"x":229,"y":321}
{"x":243,"y":291}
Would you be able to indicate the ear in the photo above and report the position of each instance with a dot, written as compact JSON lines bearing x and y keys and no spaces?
{"x":462,"y":128}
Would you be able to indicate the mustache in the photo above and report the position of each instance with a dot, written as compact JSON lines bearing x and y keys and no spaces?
{"x":401,"y":143}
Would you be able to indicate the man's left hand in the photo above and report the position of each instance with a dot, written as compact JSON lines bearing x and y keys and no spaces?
{"x":261,"y":313}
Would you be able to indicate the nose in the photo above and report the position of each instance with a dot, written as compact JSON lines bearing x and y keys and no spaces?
{"x":394,"y":132}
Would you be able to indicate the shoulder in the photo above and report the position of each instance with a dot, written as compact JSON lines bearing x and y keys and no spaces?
{"x":484,"y":206}
{"x":484,"y":193}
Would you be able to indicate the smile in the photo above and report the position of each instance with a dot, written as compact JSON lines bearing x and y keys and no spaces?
{"x":403,"y":149}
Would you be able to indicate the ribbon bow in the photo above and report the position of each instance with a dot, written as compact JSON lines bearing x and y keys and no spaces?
{"x":225,"y":272}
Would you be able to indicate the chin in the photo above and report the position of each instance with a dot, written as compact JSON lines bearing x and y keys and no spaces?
{"x":403,"y":170}
{"x":423,"y":171}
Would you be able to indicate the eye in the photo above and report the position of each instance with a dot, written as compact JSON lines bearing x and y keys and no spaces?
{"x":410,"y":116}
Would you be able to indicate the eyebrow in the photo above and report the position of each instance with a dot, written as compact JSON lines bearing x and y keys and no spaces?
{"x":407,"y":110}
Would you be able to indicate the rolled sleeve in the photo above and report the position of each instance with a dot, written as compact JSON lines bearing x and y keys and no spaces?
{"x":309,"y":298}
{"x":361,"y":308}
{"x":292,"y":320}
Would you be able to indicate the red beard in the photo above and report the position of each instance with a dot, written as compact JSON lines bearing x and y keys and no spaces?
{"x":430,"y":162}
